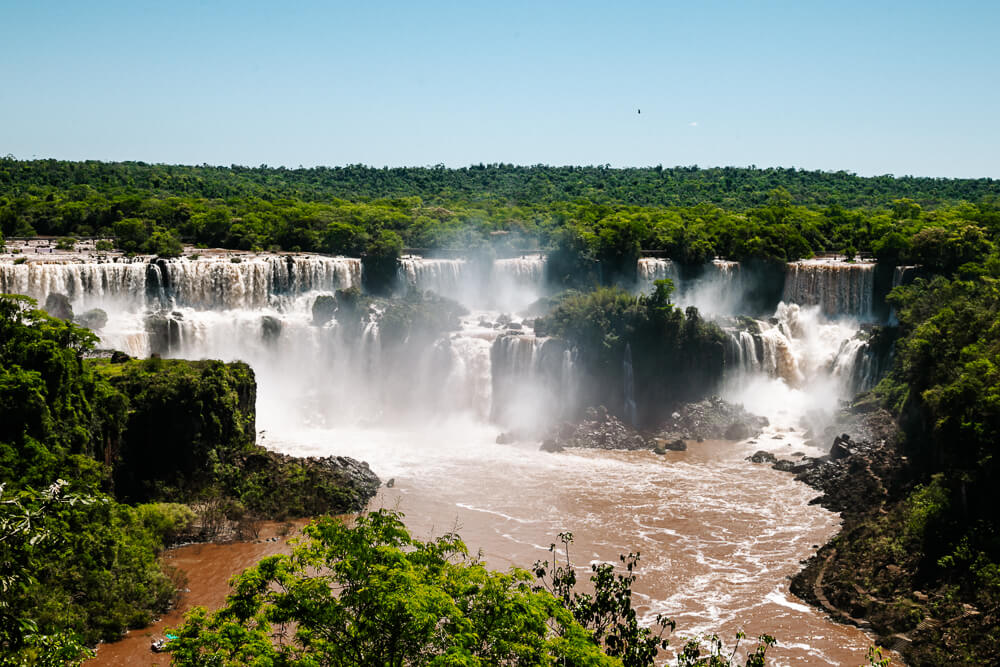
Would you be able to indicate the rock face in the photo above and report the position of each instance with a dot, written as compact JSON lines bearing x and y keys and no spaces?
{"x":296,"y":487}
{"x":862,"y":469}
{"x":58,"y":305}
{"x":323,"y":309}
{"x":270,"y":328}
{"x":93,"y":319}
{"x":712,"y":419}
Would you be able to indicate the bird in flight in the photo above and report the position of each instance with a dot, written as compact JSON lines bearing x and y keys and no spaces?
{"x":639,"y":111}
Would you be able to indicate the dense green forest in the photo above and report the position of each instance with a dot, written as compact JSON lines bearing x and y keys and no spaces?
{"x":585,"y":217}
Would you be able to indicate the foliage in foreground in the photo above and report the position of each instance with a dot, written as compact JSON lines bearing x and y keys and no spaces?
{"x":370,"y":594}
{"x":373,"y":595}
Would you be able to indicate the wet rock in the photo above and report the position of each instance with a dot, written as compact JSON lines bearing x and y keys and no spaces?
{"x":58,"y":305}
{"x":515,"y":326}
{"x":664,"y":446}
{"x":841,"y":447}
{"x":508,"y":438}
{"x":94,"y":319}
{"x":785,"y":466}
{"x":761,"y":456}
{"x":737,"y":431}
{"x":551,"y":445}
{"x":600,"y":430}
{"x":864,"y":467}
{"x":270,"y":328}
{"x":712,"y":419}
{"x":119,"y":357}
{"x":323,"y":309}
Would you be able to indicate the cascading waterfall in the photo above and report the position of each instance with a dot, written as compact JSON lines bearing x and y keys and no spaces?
{"x":651,"y":269}
{"x":441,"y":276}
{"x":839,"y":288}
{"x":253,"y":282}
{"x":516,"y":282}
{"x":804,"y":351}
{"x":507,"y":285}
{"x":631,"y":410}
{"x":90,"y":282}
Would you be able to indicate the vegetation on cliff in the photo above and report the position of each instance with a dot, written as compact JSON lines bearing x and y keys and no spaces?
{"x":79,"y":438}
{"x":918,"y":556}
{"x":681,"y":353}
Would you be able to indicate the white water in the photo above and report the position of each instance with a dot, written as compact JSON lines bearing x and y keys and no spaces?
{"x":719,"y":536}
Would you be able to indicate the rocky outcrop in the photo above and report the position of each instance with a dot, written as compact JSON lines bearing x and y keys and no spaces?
{"x":865,"y":466}
{"x":761,"y":456}
{"x":712,"y":419}
{"x":598,"y":430}
{"x":292,"y":487}
{"x":94,"y":319}
{"x":323,"y":309}
{"x":58,"y":305}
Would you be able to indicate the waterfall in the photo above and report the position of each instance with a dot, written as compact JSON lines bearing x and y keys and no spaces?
{"x":507,"y":285}
{"x":254,"y":281}
{"x":215,"y":281}
{"x":533,"y":381}
{"x":517,"y":282}
{"x":839,"y":288}
{"x":631,"y":411}
{"x":651,"y":269}
{"x":94,"y":281}
{"x":853,"y":366}
{"x":441,"y":276}
{"x":742,"y":356}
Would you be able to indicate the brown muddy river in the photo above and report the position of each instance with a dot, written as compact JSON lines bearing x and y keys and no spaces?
{"x":208,"y":568}
{"x":719,"y":536}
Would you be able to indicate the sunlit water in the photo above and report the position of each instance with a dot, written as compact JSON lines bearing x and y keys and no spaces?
{"x":719,"y":536}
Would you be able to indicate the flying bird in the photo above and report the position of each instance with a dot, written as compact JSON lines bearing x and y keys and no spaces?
{"x":639,"y":111}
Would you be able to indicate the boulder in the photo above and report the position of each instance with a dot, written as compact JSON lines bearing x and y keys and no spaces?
{"x":551,"y":445}
{"x":761,"y":456}
{"x":58,"y":305}
{"x":664,"y":446}
{"x":323,"y":309}
{"x":737,"y":431}
{"x":270,"y":328}
{"x":119,"y":357}
{"x":94,"y":319}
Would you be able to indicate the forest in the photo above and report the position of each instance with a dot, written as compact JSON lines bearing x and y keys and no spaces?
{"x":687,"y":214}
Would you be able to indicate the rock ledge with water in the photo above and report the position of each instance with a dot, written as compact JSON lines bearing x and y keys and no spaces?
{"x":712,"y":419}
{"x":598,"y":430}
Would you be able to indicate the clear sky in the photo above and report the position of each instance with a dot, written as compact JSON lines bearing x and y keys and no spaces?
{"x":865,"y":86}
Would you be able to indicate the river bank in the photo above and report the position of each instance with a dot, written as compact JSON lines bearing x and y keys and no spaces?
{"x":207,"y":568}
{"x":868,"y":574}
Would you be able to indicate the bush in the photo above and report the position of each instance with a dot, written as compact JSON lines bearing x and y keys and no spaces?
{"x":167,"y":521}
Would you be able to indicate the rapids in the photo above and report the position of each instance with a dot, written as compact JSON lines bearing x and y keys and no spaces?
{"x":719,"y":537}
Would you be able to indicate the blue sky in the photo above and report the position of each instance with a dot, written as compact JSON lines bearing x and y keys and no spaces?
{"x":870,"y":87}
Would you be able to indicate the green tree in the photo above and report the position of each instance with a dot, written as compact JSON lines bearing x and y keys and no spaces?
{"x":371,"y":594}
